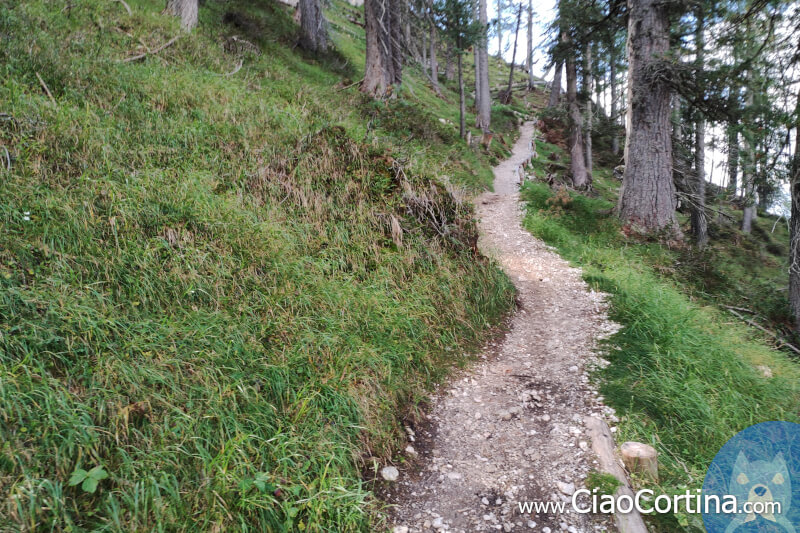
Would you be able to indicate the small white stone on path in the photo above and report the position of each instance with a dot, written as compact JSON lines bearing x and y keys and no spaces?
{"x":390,"y":473}
{"x":566,"y":488}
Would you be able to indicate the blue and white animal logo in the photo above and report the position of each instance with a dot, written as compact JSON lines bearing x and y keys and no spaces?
{"x":761,"y":488}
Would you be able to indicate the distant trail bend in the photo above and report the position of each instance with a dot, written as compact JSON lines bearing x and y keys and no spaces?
{"x":510,"y":430}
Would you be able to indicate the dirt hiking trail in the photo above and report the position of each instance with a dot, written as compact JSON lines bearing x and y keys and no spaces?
{"x":510,"y":429}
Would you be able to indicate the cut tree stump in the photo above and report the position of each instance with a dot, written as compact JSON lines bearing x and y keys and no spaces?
{"x":640,"y":459}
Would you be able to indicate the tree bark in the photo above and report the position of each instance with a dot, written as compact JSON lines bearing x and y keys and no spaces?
{"x":449,"y":64}
{"x":485,"y":104}
{"x":313,"y":26}
{"x":462,"y":127}
{"x":614,"y":120}
{"x":699,"y":223}
{"x":513,"y":55}
{"x":763,"y":187}
{"x":407,"y":26}
{"x":648,"y":192}
{"x":733,"y":159}
{"x":578,"y":163}
{"x":425,"y":52}
{"x":395,"y":41}
{"x":747,"y":213}
{"x":530,"y":44}
{"x":477,"y":58}
{"x":794,"y":254}
{"x":384,"y":62}
{"x":748,"y":174}
{"x":432,"y":58}
{"x":681,"y":154}
{"x":476,"y":49}
{"x":499,"y":28}
{"x":555,"y":88}
{"x":587,"y":97}
{"x":186,"y":10}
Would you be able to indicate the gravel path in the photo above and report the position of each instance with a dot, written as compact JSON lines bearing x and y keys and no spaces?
{"x":510,"y":429}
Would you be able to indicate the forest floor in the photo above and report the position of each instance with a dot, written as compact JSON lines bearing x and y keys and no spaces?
{"x":510,"y":429}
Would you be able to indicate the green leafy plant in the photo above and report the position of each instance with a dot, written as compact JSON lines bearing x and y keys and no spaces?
{"x":88,"y":480}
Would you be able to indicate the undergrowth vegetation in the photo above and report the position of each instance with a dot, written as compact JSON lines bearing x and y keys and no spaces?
{"x":225,"y":276}
{"x":684,"y":375}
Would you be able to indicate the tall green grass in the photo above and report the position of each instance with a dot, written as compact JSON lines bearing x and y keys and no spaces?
{"x":201,"y":291}
{"x":683,"y":377}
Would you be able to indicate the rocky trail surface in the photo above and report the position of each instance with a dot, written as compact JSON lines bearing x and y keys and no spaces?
{"x":511,"y":429}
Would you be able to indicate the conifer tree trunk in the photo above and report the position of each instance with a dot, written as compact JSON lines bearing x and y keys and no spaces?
{"x":794,"y":254}
{"x":186,"y":10}
{"x":749,"y":208}
{"x":748,"y":177}
{"x":313,"y":26}
{"x":614,"y":121}
{"x":476,"y":52}
{"x":599,"y":92}
{"x":648,"y":199}
{"x":449,"y":64}
{"x":407,"y":26}
{"x":384,"y":61}
{"x":555,"y":88}
{"x":733,"y":159}
{"x":396,"y":43}
{"x":578,"y":163}
{"x":499,"y":28}
{"x":462,"y":127}
{"x":477,"y":59}
{"x":434,"y":63}
{"x":513,"y":56}
{"x":530,"y":44}
{"x":485,"y":104}
{"x":425,"y":52}
{"x":699,"y":223}
{"x":587,"y":122}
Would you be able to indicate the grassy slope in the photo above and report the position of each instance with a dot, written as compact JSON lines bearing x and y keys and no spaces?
{"x":684,"y":375}
{"x":200,"y":288}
